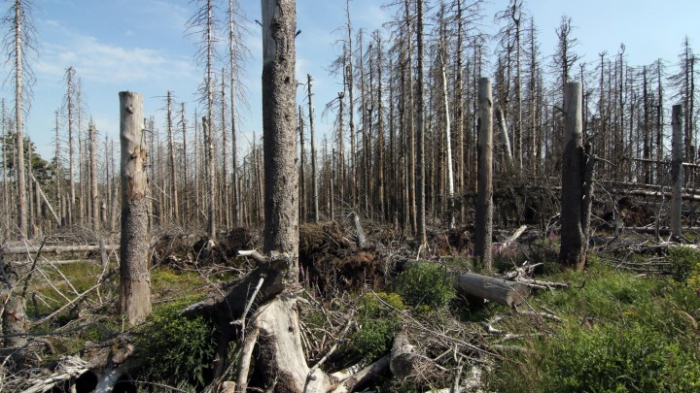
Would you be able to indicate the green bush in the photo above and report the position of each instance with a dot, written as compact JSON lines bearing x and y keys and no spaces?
{"x":378,"y":323}
{"x":426,"y":283}
{"x":685,"y":265}
{"x":177,"y":349}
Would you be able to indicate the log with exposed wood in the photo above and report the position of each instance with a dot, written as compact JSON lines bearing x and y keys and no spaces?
{"x":497,"y":290}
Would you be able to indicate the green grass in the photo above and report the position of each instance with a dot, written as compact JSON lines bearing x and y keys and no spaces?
{"x":620,"y":332}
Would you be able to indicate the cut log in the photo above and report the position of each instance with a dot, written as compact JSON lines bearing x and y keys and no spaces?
{"x":493,"y":289}
{"x":403,"y":356}
{"x":61,"y":249}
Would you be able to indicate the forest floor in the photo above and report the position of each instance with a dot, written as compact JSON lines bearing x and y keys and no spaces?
{"x":628,"y":323}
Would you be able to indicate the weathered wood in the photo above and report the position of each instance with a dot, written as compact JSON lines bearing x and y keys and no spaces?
{"x":484,"y":202}
{"x":15,"y":250}
{"x":403,"y":356}
{"x":677,"y":171}
{"x":503,"y":128}
{"x":572,"y":252}
{"x":135,"y":281}
{"x":497,"y":290}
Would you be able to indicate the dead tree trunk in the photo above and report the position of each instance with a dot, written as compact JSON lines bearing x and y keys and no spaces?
{"x":677,"y":171}
{"x":484,"y":202}
{"x":281,"y":360}
{"x":314,"y":185}
{"x":503,"y":128}
{"x":420,"y":145}
{"x":171,"y":162}
{"x":94,"y":193}
{"x":135,"y":281}
{"x":573,"y":239}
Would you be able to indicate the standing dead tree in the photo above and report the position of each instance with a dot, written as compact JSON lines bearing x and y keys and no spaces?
{"x":135,"y":282}
{"x":577,"y":178}
{"x":20,"y":39}
{"x":484,"y":203}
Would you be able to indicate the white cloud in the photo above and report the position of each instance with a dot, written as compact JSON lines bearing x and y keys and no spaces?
{"x":100,"y":62}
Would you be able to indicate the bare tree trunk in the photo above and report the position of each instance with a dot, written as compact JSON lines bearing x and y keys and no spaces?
{"x":380,"y":134}
{"x":351,"y":109}
{"x":420,"y":148}
{"x":19,"y":122}
{"x":5,"y":140}
{"x":677,"y":171}
{"x":302,"y":180}
{"x":450,"y":176}
{"x":171,"y":153}
{"x":314,"y":185}
{"x":573,"y":240}
{"x":234,"y":154}
{"x":503,"y":128}
{"x":281,"y":360}
{"x":94,"y":193}
{"x":135,"y":281}
{"x":484,"y":203}
{"x":411,"y":124}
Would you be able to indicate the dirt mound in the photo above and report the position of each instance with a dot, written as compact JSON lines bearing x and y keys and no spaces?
{"x":183,"y":249}
{"x":331,"y":263}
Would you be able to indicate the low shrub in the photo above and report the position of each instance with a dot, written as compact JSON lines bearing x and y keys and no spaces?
{"x":176,"y":349}
{"x":426,"y":283}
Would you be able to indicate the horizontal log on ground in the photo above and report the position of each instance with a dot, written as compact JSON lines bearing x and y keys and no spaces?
{"x":652,"y":230}
{"x":57,"y":249}
{"x":497,"y":290}
{"x":622,"y":185}
{"x":655,"y":194}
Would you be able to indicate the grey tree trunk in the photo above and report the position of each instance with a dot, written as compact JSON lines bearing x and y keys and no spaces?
{"x":171,"y":155}
{"x":573,"y":239}
{"x":314,"y":185}
{"x":135,"y":281}
{"x":677,"y":170}
{"x":450,"y":176}
{"x":19,"y":123}
{"x":420,"y":148}
{"x":94,"y":193}
{"x":281,"y":360}
{"x":484,"y":203}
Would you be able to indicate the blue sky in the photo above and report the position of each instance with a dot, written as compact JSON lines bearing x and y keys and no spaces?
{"x":141,"y":45}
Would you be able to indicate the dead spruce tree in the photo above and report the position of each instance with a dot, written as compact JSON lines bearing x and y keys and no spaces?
{"x":20,"y":40}
{"x":203,"y":23}
{"x":135,"y":282}
{"x":577,"y":179}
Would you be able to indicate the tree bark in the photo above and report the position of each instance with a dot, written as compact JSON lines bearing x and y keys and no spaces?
{"x":420,"y":145}
{"x":314,"y":185}
{"x":135,"y":281}
{"x":573,"y":240}
{"x":677,"y":171}
{"x":484,"y":203}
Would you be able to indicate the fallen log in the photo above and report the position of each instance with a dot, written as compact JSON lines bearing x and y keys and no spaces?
{"x":403,"y":356}
{"x":497,"y":290}
{"x":60,"y":249}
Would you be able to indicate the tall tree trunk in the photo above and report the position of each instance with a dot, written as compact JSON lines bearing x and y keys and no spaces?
{"x":411,"y":130}
{"x":348,"y":72}
{"x":19,"y":122}
{"x":302,"y":180}
{"x":484,"y":204}
{"x":573,"y":239}
{"x":380,"y":134}
{"x":314,"y":185}
{"x":135,"y":281}
{"x":171,"y":155}
{"x":677,"y":171}
{"x":448,"y":139}
{"x":94,"y":193}
{"x":420,"y":148}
